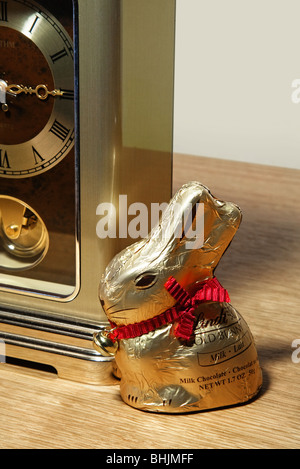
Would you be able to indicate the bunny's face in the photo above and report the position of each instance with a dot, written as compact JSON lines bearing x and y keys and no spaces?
{"x":193,"y":233}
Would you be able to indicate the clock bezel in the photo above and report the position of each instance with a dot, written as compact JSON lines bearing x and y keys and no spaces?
{"x":59,"y":132}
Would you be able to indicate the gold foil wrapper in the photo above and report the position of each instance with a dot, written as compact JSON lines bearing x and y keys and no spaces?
{"x":220,"y":369}
{"x":158,"y":371}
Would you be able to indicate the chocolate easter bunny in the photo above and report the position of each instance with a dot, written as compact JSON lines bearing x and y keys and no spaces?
{"x":179,"y":345}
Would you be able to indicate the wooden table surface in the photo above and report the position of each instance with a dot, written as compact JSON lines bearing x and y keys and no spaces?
{"x":261,"y":270}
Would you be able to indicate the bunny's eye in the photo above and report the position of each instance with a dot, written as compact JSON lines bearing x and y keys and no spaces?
{"x":145,"y":280}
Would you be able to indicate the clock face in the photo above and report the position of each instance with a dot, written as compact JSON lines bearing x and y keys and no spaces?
{"x":36,"y":90}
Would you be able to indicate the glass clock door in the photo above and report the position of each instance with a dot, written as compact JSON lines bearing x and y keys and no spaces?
{"x":38,"y":190}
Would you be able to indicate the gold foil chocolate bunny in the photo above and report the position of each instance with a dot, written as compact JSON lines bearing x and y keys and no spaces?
{"x":179,"y":344}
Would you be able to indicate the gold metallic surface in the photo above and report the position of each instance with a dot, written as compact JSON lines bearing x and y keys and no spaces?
{"x":158,"y":372}
{"x":56,"y":342}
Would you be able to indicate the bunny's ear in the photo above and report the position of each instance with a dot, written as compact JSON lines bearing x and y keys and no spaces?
{"x":196,"y":227}
{"x":179,"y":220}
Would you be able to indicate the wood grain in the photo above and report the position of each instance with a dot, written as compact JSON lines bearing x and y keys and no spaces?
{"x":261,"y":271}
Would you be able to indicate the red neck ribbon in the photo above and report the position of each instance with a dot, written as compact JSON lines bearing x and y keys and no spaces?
{"x":182,"y":312}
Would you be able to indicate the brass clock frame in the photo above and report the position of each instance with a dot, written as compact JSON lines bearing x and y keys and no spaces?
{"x":59,"y":332}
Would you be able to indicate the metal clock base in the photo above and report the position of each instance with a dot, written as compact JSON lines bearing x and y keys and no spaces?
{"x":65,"y":345}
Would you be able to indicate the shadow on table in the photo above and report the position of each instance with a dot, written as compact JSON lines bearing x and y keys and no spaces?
{"x":268,"y":355}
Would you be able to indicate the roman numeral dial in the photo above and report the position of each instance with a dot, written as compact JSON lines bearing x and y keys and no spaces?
{"x":36,"y":90}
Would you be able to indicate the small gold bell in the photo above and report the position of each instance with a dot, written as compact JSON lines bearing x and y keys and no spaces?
{"x":104,"y":345}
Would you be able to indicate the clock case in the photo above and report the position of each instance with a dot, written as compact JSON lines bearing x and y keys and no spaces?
{"x":124,"y":75}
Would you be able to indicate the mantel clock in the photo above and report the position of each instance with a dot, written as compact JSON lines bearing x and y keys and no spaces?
{"x":86,"y":93}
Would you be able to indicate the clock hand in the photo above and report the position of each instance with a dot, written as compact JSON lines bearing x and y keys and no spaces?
{"x":41,"y":91}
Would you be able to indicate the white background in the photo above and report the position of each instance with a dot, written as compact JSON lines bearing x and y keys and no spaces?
{"x":236,"y":61}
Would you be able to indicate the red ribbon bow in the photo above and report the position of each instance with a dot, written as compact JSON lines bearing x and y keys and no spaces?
{"x":183,"y":311}
{"x":210,"y":290}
